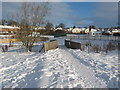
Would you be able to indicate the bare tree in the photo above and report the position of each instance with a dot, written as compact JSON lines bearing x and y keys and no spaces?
{"x":30,"y":17}
{"x":0,"y":22}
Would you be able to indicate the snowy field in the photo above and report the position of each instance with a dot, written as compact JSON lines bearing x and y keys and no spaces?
{"x":59,"y":68}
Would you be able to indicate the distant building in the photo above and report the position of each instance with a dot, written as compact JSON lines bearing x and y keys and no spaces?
{"x":95,"y":33}
{"x":93,"y":30}
{"x":107,"y":33}
{"x":69,"y":30}
{"x":8,"y":30}
{"x":58,"y":28}
{"x":87,"y":30}
{"x":116,"y":31}
{"x":41,"y":28}
{"x":7,"y":33}
{"x":76,"y":30}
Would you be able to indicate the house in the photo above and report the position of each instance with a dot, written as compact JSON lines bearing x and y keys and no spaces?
{"x":7,"y":33}
{"x":8,"y":30}
{"x":76,"y":30}
{"x":82,"y":30}
{"x":41,"y":28}
{"x":95,"y":33}
{"x":87,"y":31}
{"x":107,"y":33}
{"x":93,"y":30}
{"x":116,"y":32}
{"x":58,"y":28}
{"x":69,"y":30}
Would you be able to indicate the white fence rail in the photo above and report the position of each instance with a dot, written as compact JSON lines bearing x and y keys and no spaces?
{"x":114,"y":38}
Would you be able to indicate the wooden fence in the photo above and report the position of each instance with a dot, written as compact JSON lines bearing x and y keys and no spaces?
{"x":72,"y":45}
{"x":53,"y":44}
{"x":9,"y":40}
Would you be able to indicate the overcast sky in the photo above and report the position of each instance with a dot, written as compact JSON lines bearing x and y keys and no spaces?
{"x":100,"y":14}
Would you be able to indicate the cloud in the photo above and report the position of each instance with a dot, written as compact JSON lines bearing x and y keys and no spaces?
{"x":0,"y":10}
{"x":106,"y":14}
{"x":83,"y":22}
{"x":9,"y":9}
{"x":59,"y":12}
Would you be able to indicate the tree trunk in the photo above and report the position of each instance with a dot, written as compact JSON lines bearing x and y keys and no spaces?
{"x":30,"y":49}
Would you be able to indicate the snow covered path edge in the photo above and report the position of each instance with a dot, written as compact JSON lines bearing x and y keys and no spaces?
{"x":59,"y":68}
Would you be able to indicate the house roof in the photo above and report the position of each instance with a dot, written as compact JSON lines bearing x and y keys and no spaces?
{"x":8,"y":27}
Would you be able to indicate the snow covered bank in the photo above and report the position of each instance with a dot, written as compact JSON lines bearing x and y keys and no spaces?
{"x":59,"y":68}
{"x":105,"y":67}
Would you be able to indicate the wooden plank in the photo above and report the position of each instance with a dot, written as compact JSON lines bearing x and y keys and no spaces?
{"x":72,"y":45}
{"x":9,"y":40}
{"x":50,"y":45}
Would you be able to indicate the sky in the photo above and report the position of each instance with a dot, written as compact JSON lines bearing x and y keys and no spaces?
{"x":80,"y":14}
{"x":60,"y":0}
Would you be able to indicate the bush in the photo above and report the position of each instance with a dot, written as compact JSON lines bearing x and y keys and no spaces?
{"x":111,"y":46}
{"x":41,"y":39}
{"x":82,"y":47}
{"x":59,"y":33}
{"x":96,"y":48}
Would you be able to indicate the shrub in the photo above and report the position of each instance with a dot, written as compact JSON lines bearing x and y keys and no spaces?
{"x":96,"y":48}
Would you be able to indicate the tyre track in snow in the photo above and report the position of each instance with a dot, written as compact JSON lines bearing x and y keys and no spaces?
{"x":99,"y":66}
{"x":66,"y":71}
{"x":62,"y":75}
{"x":86,"y":75}
{"x":67,"y":65}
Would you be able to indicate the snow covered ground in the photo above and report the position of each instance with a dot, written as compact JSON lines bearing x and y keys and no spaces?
{"x":59,"y":68}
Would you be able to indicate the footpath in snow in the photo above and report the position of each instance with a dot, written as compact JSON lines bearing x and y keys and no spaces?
{"x":59,"y":68}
